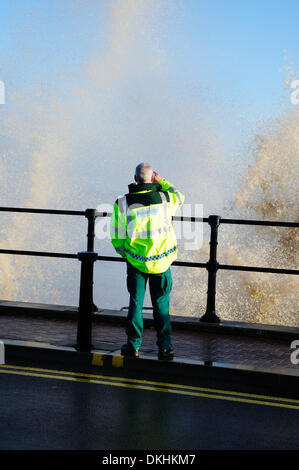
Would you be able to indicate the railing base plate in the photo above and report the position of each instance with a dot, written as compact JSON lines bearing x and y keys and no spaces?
{"x":210,"y":318}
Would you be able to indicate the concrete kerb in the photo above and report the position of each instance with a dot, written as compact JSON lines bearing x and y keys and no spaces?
{"x":36,"y":353}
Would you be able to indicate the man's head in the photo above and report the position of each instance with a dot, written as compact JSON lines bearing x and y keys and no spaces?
{"x":144,"y":173}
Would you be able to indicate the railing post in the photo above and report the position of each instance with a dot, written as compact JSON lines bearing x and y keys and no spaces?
{"x":84,"y":329}
{"x":90,"y":214}
{"x":212,"y":266}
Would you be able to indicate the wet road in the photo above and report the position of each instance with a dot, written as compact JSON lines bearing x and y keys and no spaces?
{"x":60,"y":409}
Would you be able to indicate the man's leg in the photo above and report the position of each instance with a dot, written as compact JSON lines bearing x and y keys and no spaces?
{"x":160,"y":287}
{"x":136,"y":284}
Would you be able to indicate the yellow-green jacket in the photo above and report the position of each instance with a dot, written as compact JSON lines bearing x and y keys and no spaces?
{"x":141,"y":225}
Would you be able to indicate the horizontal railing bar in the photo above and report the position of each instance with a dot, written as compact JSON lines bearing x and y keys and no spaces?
{"x":179,"y":218}
{"x":175,"y":263}
{"x":190,"y":264}
{"x":41,"y":211}
{"x":223,"y":221}
{"x":175,"y":218}
{"x":220,"y":266}
{"x":103,"y":214}
{"x":259,"y":222}
{"x":111,"y":258}
{"x":258,"y":269}
{"x":39,"y":253}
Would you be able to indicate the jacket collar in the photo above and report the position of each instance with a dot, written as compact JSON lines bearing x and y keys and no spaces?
{"x":136,"y":188}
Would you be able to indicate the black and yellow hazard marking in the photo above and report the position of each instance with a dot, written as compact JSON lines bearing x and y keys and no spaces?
{"x":153,"y":386}
{"x":103,"y":359}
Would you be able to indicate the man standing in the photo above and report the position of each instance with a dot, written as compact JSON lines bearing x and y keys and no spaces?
{"x":142,"y":232}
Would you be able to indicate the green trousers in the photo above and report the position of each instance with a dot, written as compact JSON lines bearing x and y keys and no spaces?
{"x":160,"y":286}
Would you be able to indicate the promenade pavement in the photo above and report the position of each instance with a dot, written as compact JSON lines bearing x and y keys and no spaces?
{"x":254,"y":351}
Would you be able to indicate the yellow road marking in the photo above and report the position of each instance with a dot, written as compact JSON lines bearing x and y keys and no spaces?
{"x":152,"y":386}
{"x":149,"y":382}
{"x":146,"y":387}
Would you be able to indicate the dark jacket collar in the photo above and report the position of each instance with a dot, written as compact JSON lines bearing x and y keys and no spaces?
{"x":135,"y":188}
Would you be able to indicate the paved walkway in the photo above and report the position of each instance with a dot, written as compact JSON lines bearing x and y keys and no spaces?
{"x":212,"y":347}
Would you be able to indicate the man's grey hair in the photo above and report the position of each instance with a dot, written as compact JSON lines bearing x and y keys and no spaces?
{"x":143,"y":173}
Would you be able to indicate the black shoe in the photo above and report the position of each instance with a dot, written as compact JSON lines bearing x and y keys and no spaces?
{"x":129,"y":351}
{"x":166,"y":354}
{"x":94,"y":308}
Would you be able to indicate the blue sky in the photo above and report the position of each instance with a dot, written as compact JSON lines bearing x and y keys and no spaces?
{"x":235,"y":47}
{"x":239,"y":49}
{"x":236,"y":50}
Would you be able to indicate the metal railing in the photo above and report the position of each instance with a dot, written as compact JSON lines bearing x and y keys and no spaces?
{"x":89,"y":257}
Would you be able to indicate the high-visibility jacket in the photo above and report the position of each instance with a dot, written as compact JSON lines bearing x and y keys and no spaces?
{"x":141,"y":225}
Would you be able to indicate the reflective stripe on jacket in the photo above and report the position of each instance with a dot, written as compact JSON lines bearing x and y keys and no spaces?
{"x":141,"y":225}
